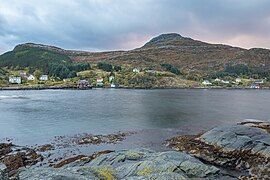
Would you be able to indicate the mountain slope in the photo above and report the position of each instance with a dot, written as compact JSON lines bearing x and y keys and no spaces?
{"x":182,"y":52}
{"x":32,"y":56}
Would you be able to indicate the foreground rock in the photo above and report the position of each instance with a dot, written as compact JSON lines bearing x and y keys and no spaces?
{"x":130,"y":164}
{"x":244,"y":147}
{"x":13,"y":157}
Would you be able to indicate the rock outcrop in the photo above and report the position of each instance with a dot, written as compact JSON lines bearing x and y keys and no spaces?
{"x":130,"y":164}
{"x":13,"y":157}
{"x":244,"y":147}
{"x":3,"y":172}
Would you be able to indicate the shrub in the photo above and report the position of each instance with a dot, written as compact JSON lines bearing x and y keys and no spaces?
{"x":105,"y":66}
{"x":117,"y":68}
{"x":171,"y":68}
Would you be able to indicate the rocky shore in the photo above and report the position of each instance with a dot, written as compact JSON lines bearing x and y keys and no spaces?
{"x":244,"y":147}
{"x":240,"y":151}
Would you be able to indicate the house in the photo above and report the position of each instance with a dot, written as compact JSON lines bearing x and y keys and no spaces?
{"x":113,"y":85}
{"x":206,"y":83}
{"x":31,"y":77}
{"x":225,"y":82}
{"x":23,"y":74}
{"x":15,"y":80}
{"x":111,"y":79}
{"x":136,"y":70}
{"x":83,"y":84}
{"x":238,"y":80}
{"x":217,"y":80}
{"x":44,"y":78}
{"x":100,"y":82}
{"x":259,"y":81}
{"x":255,"y":86}
{"x":150,"y":71}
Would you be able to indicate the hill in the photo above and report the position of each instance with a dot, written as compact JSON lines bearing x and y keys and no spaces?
{"x":185,"y":53}
{"x":189,"y":55}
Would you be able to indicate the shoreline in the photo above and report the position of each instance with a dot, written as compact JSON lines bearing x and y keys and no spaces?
{"x":233,"y":159}
{"x":18,"y":88}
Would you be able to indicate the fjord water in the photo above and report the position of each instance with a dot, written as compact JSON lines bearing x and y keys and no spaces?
{"x":30,"y":117}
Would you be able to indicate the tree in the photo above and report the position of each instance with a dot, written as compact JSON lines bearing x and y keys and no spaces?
{"x":37,"y":74}
{"x":105,"y":66}
{"x":171,"y":68}
{"x":117,"y":68}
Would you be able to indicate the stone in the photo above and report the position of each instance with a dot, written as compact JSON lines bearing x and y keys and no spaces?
{"x":3,"y":172}
{"x":242,"y":147}
{"x":54,"y":174}
{"x":130,"y":164}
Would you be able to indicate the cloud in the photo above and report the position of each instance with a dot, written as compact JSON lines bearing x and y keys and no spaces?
{"x":126,"y":24}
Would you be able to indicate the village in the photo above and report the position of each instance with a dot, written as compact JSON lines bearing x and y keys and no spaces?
{"x":99,"y":78}
{"x":82,"y":81}
{"x":237,"y":82}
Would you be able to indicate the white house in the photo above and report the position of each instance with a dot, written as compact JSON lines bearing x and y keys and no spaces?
{"x":259,"y":81}
{"x":217,"y":80}
{"x":206,"y":83}
{"x":15,"y":80}
{"x":31,"y":77}
{"x":225,"y":82}
{"x":99,"y":81}
{"x":113,"y":86}
{"x":136,"y":70}
{"x":111,"y":78}
{"x":238,"y":80}
{"x":44,"y":78}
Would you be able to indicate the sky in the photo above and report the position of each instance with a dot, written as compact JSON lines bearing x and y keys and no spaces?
{"x":100,"y":25}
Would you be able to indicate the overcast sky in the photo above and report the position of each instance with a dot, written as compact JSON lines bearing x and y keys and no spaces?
{"x":98,"y":25}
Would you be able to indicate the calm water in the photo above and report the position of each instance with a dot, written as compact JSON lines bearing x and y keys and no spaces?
{"x":36,"y":116}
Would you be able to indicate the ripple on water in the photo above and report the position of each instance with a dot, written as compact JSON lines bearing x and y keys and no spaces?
{"x":13,"y":97}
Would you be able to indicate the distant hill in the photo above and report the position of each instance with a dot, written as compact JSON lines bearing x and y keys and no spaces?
{"x":34,"y":56}
{"x":182,"y":52}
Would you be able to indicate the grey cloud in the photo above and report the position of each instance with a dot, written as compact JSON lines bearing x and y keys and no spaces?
{"x":126,"y":24}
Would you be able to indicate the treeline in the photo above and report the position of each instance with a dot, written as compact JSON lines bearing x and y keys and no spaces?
{"x":108,"y":67}
{"x":171,"y":68}
{"x":35,"y":58}
{"x":67,"y":70}
{"x":48,"y":62}
{"x":242,"y":70}
{"x":2,"y":72}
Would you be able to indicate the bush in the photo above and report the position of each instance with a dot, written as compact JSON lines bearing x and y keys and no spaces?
{"x":105,"y":66}
{"x":117,"y":68}
{"x":171,"y":68}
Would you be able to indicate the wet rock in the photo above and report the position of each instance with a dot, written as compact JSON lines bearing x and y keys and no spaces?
{"x":15,"y":157}
{"x":132,"y":164}
{"x":98,"y":139}
{"x":44,"y":148}
{"x":88,"y":139}
{"x":5,"y":148}
{"x":243,"y":147}
{"x":3,"y":172}
{"x":79,"y":160}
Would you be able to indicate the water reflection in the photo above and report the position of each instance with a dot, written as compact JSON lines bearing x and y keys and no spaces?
{"x":39,"y":115}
